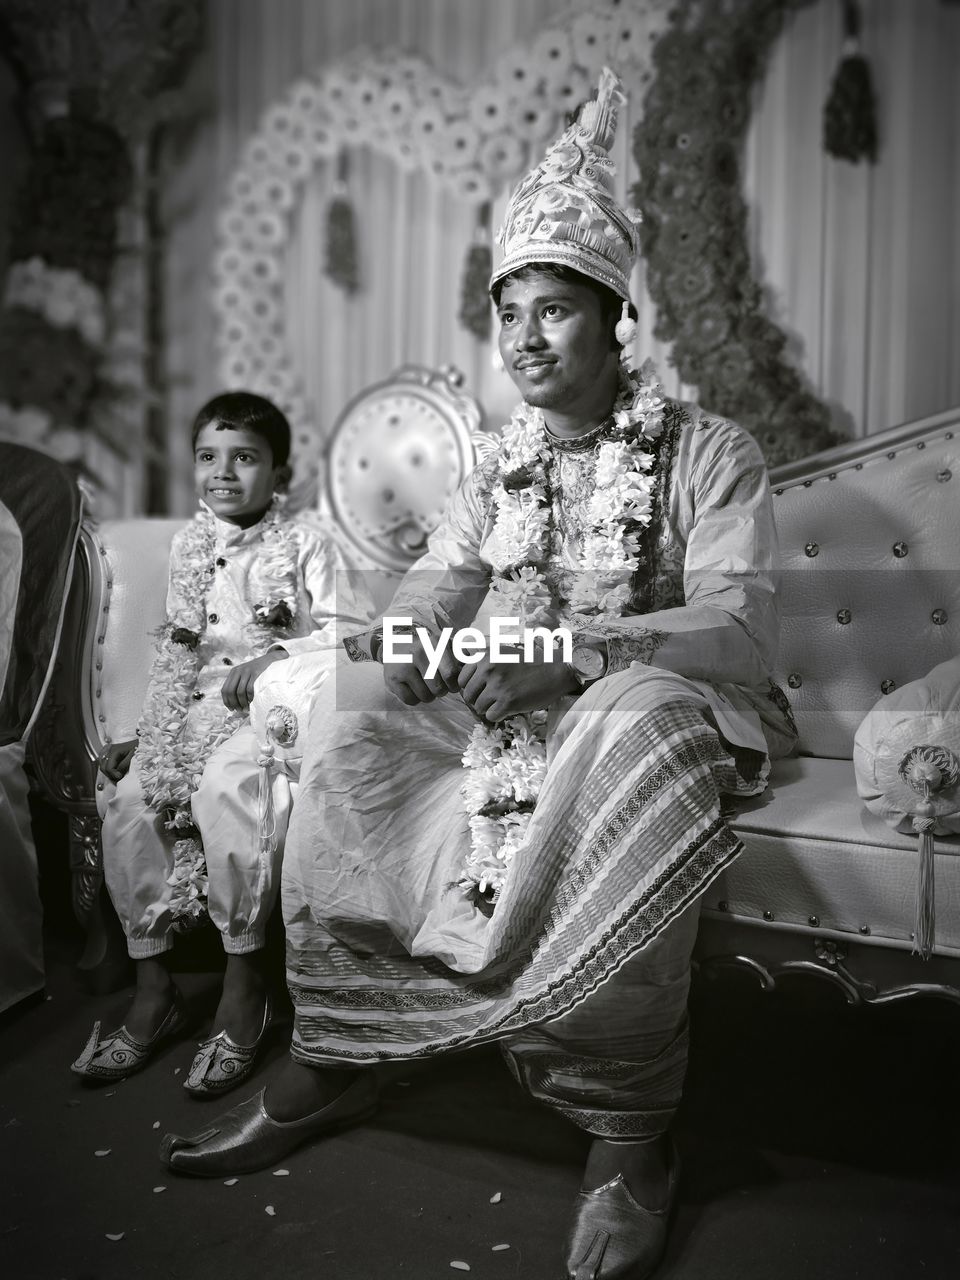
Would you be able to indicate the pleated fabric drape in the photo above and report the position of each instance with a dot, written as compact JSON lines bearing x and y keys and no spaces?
{"x":861,"y":264}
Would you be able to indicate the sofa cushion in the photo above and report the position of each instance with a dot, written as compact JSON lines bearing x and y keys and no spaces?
{"x":913,"y":735}
{"x":129,"y":606}
{"x":815,"y":858}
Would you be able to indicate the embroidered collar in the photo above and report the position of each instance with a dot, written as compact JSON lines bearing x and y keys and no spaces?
{"x":228,"y":534}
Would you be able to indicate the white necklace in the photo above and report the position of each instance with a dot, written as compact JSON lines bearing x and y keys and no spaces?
{"x":174,"y":747}
{"x":506,"y":764}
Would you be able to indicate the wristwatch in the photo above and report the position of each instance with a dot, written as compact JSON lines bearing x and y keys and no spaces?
{"x":588,"y":662}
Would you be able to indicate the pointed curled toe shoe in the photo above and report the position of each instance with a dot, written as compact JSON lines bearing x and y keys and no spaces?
{"x":118,"y":1055}
{"x":616,"y":1238}
{"x":246,"y":1138}
{"x":221,"y":1064}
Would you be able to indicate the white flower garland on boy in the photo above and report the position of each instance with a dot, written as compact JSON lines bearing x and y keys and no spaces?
{"x":507,"y":762}
{"x":174,"y":747}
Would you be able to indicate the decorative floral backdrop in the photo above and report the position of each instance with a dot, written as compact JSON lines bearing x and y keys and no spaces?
{"x":694,"y":235}
{"x":99,"y":75}
{"x":848,"y":259}
{"x":823,"y":276}
{"x":473,"y":142}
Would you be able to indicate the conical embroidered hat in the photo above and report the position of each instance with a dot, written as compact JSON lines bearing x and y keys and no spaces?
{"x":564,"y":211}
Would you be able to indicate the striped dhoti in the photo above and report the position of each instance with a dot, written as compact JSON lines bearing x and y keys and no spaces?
{"x":581,"y":970}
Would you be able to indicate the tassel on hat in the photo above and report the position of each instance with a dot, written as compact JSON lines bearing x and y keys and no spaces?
{"x":849,"y":116}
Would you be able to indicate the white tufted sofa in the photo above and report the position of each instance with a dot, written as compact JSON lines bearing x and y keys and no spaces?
{"x":870,"y":534}
{"x":870,"y":539}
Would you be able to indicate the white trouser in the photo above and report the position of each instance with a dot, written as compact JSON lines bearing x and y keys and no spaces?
{"x":243,"y":880}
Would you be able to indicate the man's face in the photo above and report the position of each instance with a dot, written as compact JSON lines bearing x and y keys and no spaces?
{"x":555,"y":340}
{"x":234,"y":474}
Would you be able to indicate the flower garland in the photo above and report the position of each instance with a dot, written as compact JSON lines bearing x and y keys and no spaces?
{"x":176,"y":737}
{"x":507,"y":762}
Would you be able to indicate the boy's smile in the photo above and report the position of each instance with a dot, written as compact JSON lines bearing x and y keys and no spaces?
{"x":234,"y":473}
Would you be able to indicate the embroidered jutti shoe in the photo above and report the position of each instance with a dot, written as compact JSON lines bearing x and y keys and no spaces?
{"x":246,"y":1138}
{"x":118,"y":1055}
{"x":221,"y":1064}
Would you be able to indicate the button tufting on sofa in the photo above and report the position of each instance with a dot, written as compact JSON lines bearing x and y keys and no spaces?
{"x":814,"y":857}
{"x":811,"y":549}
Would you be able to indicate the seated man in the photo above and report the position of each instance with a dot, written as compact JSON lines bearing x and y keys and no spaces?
{"x":515,"y":851}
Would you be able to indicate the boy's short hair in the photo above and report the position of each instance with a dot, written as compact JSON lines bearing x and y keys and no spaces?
{"x":245,"y":411}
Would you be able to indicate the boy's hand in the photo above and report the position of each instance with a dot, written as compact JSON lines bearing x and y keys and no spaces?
{"x":237,"y":691}
{"x":114,"y":760}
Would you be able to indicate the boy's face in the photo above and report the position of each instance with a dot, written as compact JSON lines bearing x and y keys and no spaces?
{"x":234,"y":474}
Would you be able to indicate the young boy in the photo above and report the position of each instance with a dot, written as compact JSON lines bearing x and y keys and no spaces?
{"x":248,"y":586}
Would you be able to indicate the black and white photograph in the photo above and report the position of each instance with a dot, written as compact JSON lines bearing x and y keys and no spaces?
{"x":479,"y":639}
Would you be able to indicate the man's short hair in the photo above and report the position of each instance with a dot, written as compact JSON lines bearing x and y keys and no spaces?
{"x":245,"y":411}
{"x":611,"y":304}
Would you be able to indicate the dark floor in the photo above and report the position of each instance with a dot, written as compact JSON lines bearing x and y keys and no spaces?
{"x":818,"y":1142}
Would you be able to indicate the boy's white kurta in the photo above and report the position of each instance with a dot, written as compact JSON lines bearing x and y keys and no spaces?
{"x":137,"y":850}
{"x":388,"y":958}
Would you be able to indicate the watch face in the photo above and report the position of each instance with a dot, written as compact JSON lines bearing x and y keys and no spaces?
{"x":587,"y":662}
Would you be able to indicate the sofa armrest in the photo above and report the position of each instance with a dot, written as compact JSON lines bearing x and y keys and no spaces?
{"x":116,"y":600}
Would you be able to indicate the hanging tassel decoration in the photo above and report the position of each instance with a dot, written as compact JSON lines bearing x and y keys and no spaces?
{"x":850,"y":114}
{"x":266,"y":814}
{"x":341,"y":265}
{"x":928,"y":770}
{"x":474,"y":312}
{"x":923,"y":822}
